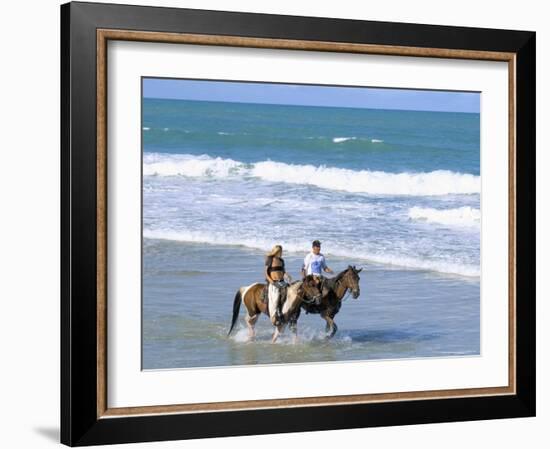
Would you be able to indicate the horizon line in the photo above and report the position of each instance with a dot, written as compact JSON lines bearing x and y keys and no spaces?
{"x":310,"y":105}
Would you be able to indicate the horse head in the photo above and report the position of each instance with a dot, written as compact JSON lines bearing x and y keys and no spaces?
{"x":310,"y":288}
{"x":351,"y":280}
{"x":297,"y":292}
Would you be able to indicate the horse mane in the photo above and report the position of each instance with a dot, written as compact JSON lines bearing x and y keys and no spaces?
{"x":330,"y":282}
{"x":307,"y":278}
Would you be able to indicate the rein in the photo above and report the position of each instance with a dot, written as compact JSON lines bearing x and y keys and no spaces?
{"x":337,"y":284}
{"x":345,"y":298}
{"x":304,"y":298}
{"x":346,"y":295}
{"x":347,"y":291}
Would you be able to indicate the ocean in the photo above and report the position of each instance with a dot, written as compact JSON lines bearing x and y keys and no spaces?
{"x":396,"y":192}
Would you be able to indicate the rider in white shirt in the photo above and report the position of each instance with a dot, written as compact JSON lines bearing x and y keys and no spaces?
{"x":314,"y":262}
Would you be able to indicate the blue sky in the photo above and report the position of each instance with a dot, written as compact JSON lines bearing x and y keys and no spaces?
{"x":354,"y":97}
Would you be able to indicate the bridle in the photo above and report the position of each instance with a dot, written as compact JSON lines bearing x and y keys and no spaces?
{"x":348,"y":290}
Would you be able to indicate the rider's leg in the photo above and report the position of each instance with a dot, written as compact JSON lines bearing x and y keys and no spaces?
{"x":274,"y":297}
{"x":318,"y":280}
{"x":282,"y":299}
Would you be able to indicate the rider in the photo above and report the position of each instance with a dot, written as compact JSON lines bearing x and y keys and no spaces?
{"x":315,"y":263}
{"x":278,"y":280}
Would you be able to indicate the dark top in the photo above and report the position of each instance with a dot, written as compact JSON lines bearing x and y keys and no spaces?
{"x":270,"y":267}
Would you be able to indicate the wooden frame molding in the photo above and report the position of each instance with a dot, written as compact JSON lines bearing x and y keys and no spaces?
{"x":103,"y":36}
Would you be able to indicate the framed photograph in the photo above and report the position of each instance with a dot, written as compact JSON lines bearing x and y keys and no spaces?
{"x":283,"y":224}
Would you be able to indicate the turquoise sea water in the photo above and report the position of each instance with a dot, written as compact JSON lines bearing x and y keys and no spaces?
{"x":370,"y":139}
{"x":395,"y":191}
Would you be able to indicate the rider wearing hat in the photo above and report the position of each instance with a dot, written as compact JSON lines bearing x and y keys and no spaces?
{"x":314,"y":262}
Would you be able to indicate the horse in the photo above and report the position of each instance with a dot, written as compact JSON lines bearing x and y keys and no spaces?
{"x":333,"y":291}
{"x":253,"y":298}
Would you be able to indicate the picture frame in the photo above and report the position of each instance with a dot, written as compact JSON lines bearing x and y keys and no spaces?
{"x":86,"y":28}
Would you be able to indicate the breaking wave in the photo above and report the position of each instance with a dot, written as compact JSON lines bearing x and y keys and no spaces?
{"x":439,"y":182}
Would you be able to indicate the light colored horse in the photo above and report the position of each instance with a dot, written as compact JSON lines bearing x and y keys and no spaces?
{"x":252,"y":297}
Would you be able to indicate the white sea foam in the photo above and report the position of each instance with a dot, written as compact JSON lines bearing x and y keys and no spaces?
{"x":376,"y":140}
{"x":192,"y":166}
{"x":306,"y":336}
{"x":145,"y":128}
{"x":297,"y":246}
{"x":240,"y":335}
{"x":461,"y":216}
{"x":342,"y":139}
{"x":441,"y":266}
{"x":219,"y":238}
{"x":439,"y":182}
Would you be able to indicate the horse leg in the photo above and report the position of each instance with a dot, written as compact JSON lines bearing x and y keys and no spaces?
{"x":331,"y":327}
{"x":278,"y":331}
{"x":250,"y":322}
{"x":334,"y":327}
{"x":293,"y":325}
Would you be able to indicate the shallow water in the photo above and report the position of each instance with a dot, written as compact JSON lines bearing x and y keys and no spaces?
{"x":401,"y":313}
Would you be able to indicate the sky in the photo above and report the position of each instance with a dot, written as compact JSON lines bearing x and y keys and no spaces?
{"x":307,"y":95}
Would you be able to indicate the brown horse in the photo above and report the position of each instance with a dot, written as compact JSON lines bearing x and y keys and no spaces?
{"x":253,"y":298}
{"x":333,"y":291}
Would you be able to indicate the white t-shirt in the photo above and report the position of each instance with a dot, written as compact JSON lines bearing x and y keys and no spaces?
{"x":314,"y":264}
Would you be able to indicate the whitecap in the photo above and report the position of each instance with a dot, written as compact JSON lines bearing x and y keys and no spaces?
{"x":438,"y":182}
{"x":342,"y":139}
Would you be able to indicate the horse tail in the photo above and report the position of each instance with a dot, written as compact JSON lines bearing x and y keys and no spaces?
{"x":236,"y":308}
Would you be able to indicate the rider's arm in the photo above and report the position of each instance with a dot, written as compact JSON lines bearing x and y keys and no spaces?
{"x":304,"y":266}
{"x":267,"y":276}
{"x":286,"y":276}
{"x":266,"y":270}
{"x":325,"y":268}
